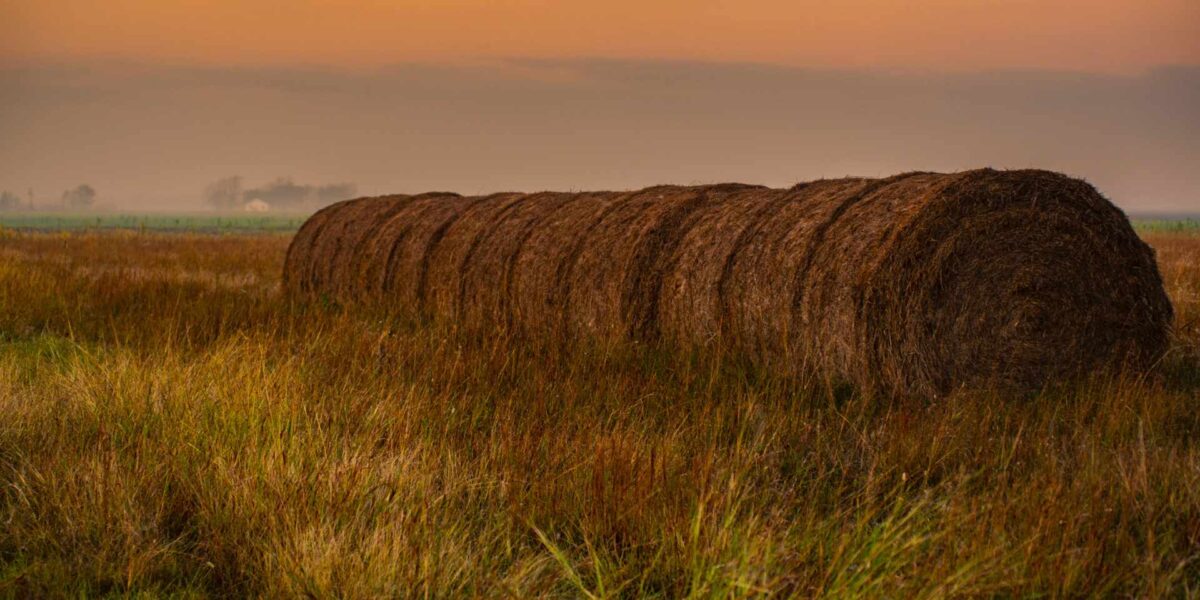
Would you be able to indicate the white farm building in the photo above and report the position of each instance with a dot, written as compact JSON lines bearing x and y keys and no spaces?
{"x":256,"y":206}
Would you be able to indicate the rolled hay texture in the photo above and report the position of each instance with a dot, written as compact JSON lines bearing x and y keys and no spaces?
{"x":916,"y":284}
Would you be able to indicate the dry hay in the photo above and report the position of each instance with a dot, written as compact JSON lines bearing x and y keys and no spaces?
{"x":360,"y":265}
{"x":914,"y":285}
{"x":539,"y":285}
{"x":360,"y":222}
{"x":757,"y":294}
{"x":1020,"y":277}
{"x":488,"y":278}
{"x":456,"y":248}
{"x":300,"y":259}
{"x":389,"y":240}
{"x":326,"y":245}
{"x":693,"y":292}
{"x":324,"y":252}
{"x":616,"y":271}
{"x":414,"y":231}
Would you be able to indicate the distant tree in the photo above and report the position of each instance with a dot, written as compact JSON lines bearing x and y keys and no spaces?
{"x":224,"y":194}
{"x":282,"y":192}
{"x":81,"y":197}
{"x":9,"y":201}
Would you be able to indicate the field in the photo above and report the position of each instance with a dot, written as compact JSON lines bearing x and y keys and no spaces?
{"x":173,"y":425}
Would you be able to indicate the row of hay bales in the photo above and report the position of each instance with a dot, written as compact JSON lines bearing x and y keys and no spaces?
{"x":913,"y":284}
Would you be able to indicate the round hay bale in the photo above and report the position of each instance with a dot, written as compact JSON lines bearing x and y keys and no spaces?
{"x":613,"y":283}
{"x":1005,"y":278}
{"x":406,"y":261}
{"x":691,"y":309}
{"x":362,"y":266}
{"x":838,"y":246}
{"x":456,"y":249}
{"x":355,"y":224}
{"x":326,"y":243}
{"x":312,"y":261}
{"x":298,"y":262}
{"x":388,"y":240}
{"x":541,"y":273}
{"x":758,"y":291}
{"x":487,"y":279}
{"x":910,"y":285}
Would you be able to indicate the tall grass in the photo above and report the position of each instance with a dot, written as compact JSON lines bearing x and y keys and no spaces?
{"x":172,"y":425}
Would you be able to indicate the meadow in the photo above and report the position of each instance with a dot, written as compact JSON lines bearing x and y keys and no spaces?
{"x":173,"y":425}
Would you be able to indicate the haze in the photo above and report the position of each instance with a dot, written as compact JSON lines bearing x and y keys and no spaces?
{"x":150,"y":101}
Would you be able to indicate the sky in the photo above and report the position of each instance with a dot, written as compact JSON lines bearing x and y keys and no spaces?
{"x":149,"y":100}
{"x":1092,"y":35}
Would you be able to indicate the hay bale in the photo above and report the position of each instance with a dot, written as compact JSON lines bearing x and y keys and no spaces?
{"x":361,"y":268}
{"x":759,"y":288}
{"x":389,"y":240}
{"x":1013,"y":278}
{"x":542,"y":268}
{"x":416,"y":231}
{"x":692,"y":299}
{"x":356,"y":223}
{"x":614,"y":281}
{"x":299,"y":260}
{"x":911,"y":285}
{"x":326,"y":243}
{"x":455,"y":250}
{"x":487,"y":280}
{"x":839,"y":245}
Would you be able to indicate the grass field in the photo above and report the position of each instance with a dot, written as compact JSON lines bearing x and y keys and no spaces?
{"x":1154,"y":226}
{"x":173,"y":426}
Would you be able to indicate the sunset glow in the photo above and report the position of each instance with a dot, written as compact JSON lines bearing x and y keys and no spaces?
{"x":1097,"y":35}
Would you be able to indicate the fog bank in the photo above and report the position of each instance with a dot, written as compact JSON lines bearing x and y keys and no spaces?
{"x":155,"y":136}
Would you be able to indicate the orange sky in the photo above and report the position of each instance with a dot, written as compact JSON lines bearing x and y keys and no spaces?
{"x":1091,"y":35}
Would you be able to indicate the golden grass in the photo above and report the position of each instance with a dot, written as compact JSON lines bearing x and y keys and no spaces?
{"x":172,"y":425}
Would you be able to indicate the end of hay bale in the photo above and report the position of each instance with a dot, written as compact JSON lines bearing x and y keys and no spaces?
{"x":1011,"y":280}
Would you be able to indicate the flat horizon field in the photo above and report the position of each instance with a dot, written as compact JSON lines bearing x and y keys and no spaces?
{"x":175,"y":426}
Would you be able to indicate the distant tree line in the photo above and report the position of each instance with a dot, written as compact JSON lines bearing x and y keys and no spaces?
{"x":282,"y":194}
{"x":224,"y":194}
{"x":10,"y":201}
{"x":81,"y":197}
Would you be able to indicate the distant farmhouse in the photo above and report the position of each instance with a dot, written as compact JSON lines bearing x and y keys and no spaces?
{"x":280,"y":195}
{"x":256,"y":205}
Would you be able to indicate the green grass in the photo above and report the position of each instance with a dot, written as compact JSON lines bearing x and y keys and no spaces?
{"x":174,"y":426}
{"x":1180,"y":225}
{"x":194,"y":223}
